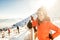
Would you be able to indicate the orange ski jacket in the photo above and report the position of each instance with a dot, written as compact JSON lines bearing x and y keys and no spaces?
{"x":44,"y":28}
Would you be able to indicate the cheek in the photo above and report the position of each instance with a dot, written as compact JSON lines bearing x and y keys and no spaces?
{"x":40,"y":17}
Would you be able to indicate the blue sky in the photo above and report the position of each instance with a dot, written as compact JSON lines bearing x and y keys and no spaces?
{"x":6,"y":3}
{"x":5,"y":7}
{"x":21,"y":8}
{"x":13,"y":8}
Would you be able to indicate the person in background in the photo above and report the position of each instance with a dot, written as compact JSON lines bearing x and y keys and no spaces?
{"x":18,"y":29}
{"x":9,"y":31}
{"x":34,"y":23}
{"x":44,"y":25}
{"x":3,"y":33}
{"x":28,"y":35}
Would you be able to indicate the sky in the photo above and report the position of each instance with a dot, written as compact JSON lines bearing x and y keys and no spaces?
{"x":22,"y":8}
{"x":13,"y":8}
{"x":6,"y":7}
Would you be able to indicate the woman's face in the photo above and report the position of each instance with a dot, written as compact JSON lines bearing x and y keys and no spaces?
{"x":40,"y":15}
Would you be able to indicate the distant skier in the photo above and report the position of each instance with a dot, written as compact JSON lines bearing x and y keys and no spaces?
{"x":3,"y":34}
{"x":18,"y":29}
{"x":9,"y":31}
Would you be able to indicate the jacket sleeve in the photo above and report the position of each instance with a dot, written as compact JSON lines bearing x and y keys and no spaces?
{"x":54,"y":28}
